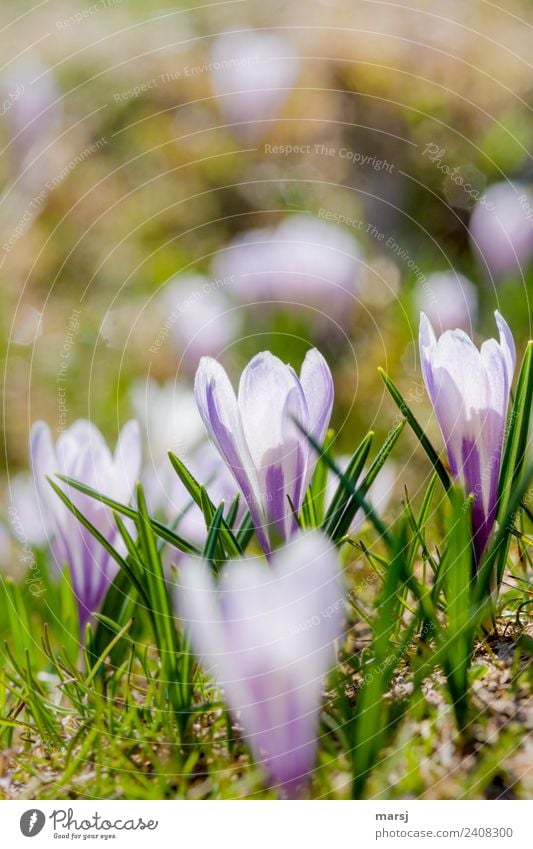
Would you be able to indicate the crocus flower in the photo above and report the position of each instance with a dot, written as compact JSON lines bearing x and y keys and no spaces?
{"x":82,"y":454}
{"x":501,"y":229}
{"x":303,"y":261}
{"x":449,"y":300}
{"x":266,"y":635}
{"x":252,"y":74}
{"x":257,"y":435}
{"x":469,"y":390}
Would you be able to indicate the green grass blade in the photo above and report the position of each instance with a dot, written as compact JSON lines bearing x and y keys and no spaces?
{"x":417,"y":429}
{"x":200,"y":495}
{"x":89,"y":526}
{"x":377,"y":464}
{"x":343,"y":492}
{"x":499,"y":542}
{"x":95,"y":669}
{"x":213,"y":549}
{"x":246,"y":531}
{"x":381,"y":457}
{"x":130,"y":512}
{"x":360,"y":501}
{"x":371,"y":714}
{"x":457,"y":567}
{"x":516,"y":445}
{"x":315,"y":496}
{"x":233,"y":511}
{"x":119,"y":606}
{"x":518,"y":432}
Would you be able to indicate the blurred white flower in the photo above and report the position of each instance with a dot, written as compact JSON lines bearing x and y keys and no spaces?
{"x":167,"y":497}
{"x":252,"y":74}
{"x":266,"y":634}
{"x":449,"y":300}
{"x":170,"y":421}
{"x":30,"y":104}
{"x":28,"y":515}
{"x":199,"y":316}
{"x":169,"y":418}
{"x":27,"y":325}
{"x":501,"y":229}
{"x":304,"y":260}
{"x":210,"y":470}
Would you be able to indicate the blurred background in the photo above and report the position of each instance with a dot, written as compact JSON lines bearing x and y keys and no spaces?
{"x":180,"y":179}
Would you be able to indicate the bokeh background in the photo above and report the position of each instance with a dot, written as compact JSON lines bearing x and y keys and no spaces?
{"x":180,"y":179}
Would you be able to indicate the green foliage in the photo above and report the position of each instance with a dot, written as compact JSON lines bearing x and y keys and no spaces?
{"x":425,"y":608}
{"x":417,"y":429}
{"x":516,"y":444}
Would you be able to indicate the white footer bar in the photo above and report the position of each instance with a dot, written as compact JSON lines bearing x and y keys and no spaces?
{"x":251,"y":825}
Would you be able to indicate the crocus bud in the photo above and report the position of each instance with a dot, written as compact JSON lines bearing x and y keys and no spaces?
{"x":266,"y":635}
{"x":257,"y":434}
{"x":82,"y":454}
{"x":469,"y":389}
{"x":501,"y":229}
{"x":252,"y":74}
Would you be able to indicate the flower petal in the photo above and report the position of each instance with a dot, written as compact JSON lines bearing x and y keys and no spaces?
{"x":507,"y":345}
{"x":470,"y":389}
{"x":199,"y":607}
{"x":127,"y":458}
{"x":264,"y":387}
{"x":317,"y":384}
{"x":426,"y":343}
{"x":270,"y":634}
{"x":44,"y":464}
{"x":218,"y":408}
{"x":271,"y":400}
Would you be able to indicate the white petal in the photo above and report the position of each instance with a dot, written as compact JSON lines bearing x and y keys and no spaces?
{"x":317,"y":384}
{"x":218,"y":408}
{"x":127,"y":459}
{"x":199,"y":608}
{"x":507,"y":345}
{"x":427,"y":342}
{"x":81,"y":434}
{"x":264,"y":387}
{"x":44,"y":464}
{"x":456,"y":354}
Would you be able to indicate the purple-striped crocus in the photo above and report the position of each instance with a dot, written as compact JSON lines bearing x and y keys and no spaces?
{"x":266,"y":635}
{"x":81,"y":453}
{"x":258,"y":437}
{"x":469,"y":389}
